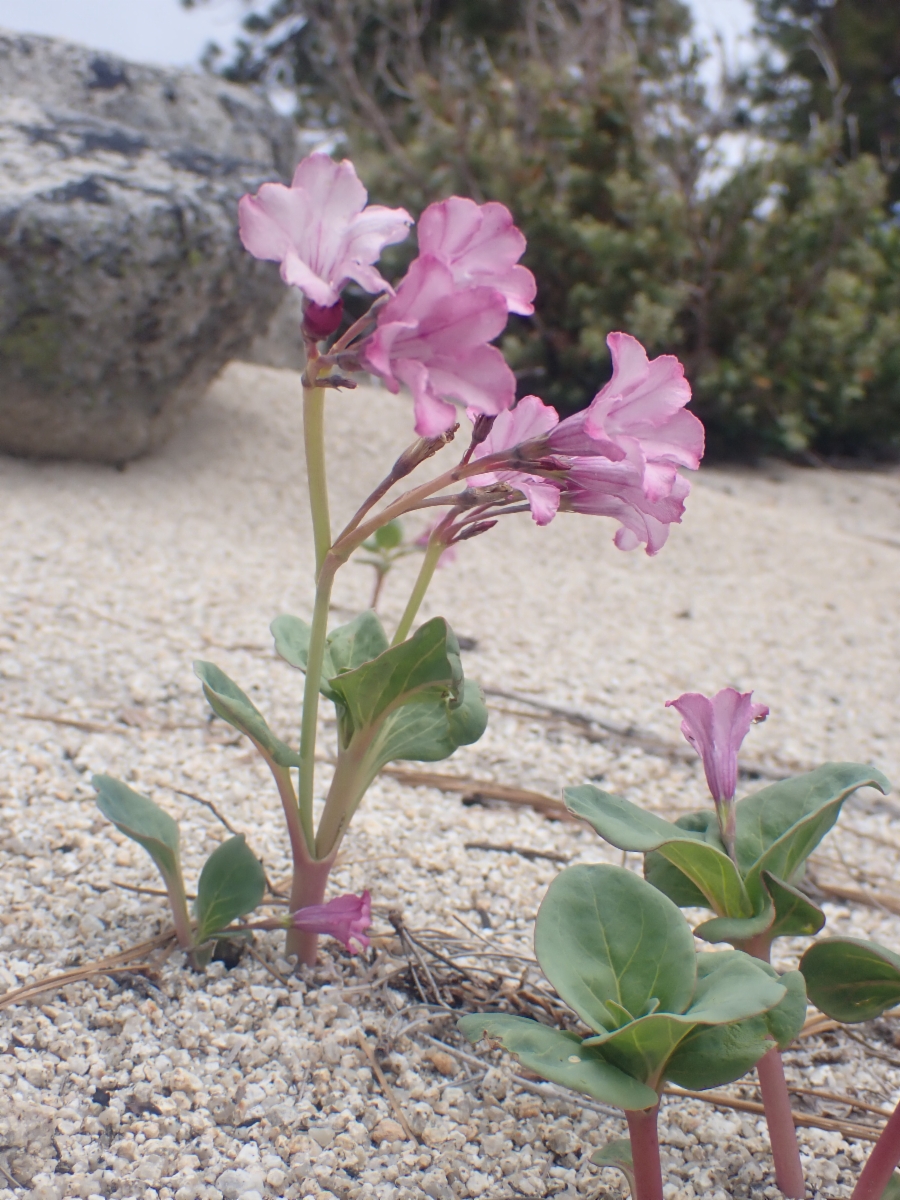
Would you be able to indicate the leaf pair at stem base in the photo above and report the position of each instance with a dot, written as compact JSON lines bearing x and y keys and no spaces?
{"x":231,"y":884}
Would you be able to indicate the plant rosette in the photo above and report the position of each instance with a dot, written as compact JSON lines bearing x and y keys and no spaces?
{"x":755,"y":896}
{"x":622,"y":956}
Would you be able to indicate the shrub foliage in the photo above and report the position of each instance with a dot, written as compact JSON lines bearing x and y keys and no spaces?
{"x":776,"y":280}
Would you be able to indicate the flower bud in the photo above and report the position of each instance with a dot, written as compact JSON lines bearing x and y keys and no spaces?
{"x":319,"y":322}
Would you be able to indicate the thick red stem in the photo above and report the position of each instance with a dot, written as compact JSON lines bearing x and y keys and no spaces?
{"x":645,"y":1151}
{"x":308,"y":887}
{"x":877,"y":1172}
{"x":782,"y":1134}
{"x":777,"y":1101}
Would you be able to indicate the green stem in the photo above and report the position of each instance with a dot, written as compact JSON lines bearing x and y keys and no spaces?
{"x":432,"y":557}
{"x":180,"y":916}
{"x":314,"y":443}
{"x":300,"y":828}
{"x":309,"y":721}
{"x":348,"y":786}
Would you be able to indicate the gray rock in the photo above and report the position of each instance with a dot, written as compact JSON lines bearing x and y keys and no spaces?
{"x":123,"y":284}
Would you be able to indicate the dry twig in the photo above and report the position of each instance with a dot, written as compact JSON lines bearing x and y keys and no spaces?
{"x":385,"y":1086}
{"x":480,"y":789}
{"x":104,"y":966}
{"x":522,"y":851}
{"x":722,"y":1100}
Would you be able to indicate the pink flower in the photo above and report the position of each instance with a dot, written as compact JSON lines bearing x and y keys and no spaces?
{"x":320,"y":229}
{"x":529,"y":420}
{"x":480,"y":245}
{"x":616,"y":489}
{"x":715,"y":727}
{"x":639,"y":415}
{"x":433,"y":337}
{"x":345,"y":917}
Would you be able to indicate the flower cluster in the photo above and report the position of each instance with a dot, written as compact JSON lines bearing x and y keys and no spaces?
{"x":619,"y":458}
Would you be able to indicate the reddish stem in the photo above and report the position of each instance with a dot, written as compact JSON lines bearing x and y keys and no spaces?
{"x":877,"y":1172}
{"x":642,"y":1129}
{"x":777,"y":1101}
{"x":782,"y":1134}
{"x":310,"y":881}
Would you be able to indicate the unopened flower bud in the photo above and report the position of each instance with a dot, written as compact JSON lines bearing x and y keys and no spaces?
{"x":419,"y":451}
{"x":481,"y":428}
{"x":471,"y":531}
{"x":319,"y":322}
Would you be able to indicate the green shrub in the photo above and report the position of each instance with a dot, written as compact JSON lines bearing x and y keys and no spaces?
{"x":777,"y":285}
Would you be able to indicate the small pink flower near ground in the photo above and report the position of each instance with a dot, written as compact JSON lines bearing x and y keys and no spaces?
{"x":345,"y":917}
{"x":481,"y":245}
{"x":320,"y":229}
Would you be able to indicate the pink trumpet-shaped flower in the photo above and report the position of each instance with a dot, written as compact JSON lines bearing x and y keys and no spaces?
{"x":481,"y":245}
{"x":602,"y":488}
{"x":321,"y":230}
{"x":716,"y":726}
{"x":529,"y":420}
{"x":639,"y":415}
{"x":433,"y":336}
{"x":345,"y":917}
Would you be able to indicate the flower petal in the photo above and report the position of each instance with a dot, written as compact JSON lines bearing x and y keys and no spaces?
{"x":433,"y":415}
{"x":478,"y":378}
{"x":716,"y":726}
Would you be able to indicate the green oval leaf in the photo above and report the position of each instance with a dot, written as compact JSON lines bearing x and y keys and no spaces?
{"x":428,"y":662}
{"x":731,"y":987}
{"x":603,"y":933}
{"x":697,"y":856}
{"x":786,"y":1019}
{"x":712,"y":873}
{"x":144,"y":822}
{"x":795,"y":913}
{"x":231,"y":884}
{"x":851,"y":980}
{"x":737,"y":929}
{"x":560,"y":1057}
{"x":779,"y":827}
{"x":231,"y":704}
{"x":712,"y":1055}
{"x":431,"y":729}
{"x":389,"y":537}
{"x":620,"y":822}
{"x":347,"y":647}
{"x":617,"y":1154}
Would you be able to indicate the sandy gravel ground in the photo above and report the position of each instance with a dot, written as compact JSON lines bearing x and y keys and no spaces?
{"x":234,"y":1084}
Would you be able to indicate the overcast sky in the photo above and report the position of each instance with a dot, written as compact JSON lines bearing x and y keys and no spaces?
{"x":161,"y":31}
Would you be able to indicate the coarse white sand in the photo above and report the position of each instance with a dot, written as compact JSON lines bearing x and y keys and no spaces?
{"x":230,"y":1084}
